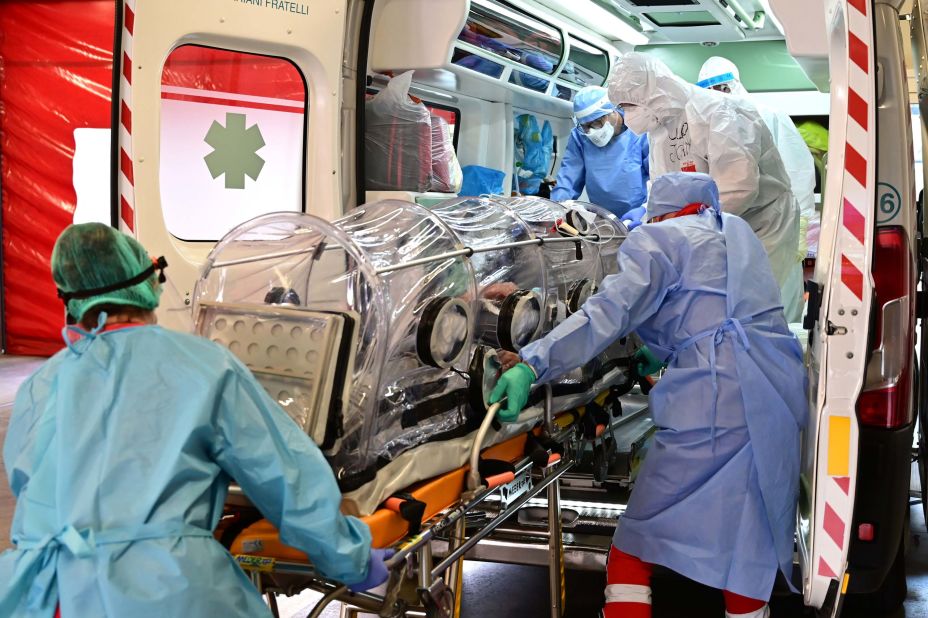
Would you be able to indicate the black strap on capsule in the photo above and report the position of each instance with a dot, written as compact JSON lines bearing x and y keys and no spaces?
{"x":412,"y":510}
{"x":158,"y":264}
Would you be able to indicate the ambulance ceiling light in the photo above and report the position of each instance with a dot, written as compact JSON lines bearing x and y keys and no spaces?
{"x":598,"y":19}
{"x":765,"y":4}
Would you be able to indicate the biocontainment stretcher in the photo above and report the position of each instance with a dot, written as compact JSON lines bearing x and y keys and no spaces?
{"x":377,"y":334}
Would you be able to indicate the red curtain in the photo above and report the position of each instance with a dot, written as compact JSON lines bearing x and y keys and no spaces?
{"x":55,"y":77}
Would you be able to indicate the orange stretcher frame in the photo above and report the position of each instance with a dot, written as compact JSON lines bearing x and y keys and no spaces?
{"x":387,"y":526}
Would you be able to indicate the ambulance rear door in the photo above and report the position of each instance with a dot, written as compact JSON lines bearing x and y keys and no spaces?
{"x":839,"y":309}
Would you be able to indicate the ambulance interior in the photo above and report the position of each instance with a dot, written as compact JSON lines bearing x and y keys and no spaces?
{"x":484,"y":86}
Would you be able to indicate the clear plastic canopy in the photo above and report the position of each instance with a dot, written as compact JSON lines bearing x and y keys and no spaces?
{"x":371,"y":331}
{"x":511,"y":281}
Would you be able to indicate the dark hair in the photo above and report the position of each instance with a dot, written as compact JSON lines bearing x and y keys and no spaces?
{"x":92,"y":315}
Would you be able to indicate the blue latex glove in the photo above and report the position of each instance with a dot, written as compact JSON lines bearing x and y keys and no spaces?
{"x":634,"y":217}
{"x":647,"y":363}
{"x":515,"y":384}
{"x":377,"y":572}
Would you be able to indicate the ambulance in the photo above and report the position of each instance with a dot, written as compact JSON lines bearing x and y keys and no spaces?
{"x":227,"y":110}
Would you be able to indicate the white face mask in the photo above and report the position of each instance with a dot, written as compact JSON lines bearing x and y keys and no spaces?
{"x":601,"y":136}
{"x":640,"y":120}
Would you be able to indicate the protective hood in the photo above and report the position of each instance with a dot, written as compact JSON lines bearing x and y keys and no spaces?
{"x":717,"y":70}
{"x":639,"y":79}
{"x":674,"y":191}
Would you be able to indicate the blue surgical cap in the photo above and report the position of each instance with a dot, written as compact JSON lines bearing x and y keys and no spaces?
{"x":591,"y":103}
{"x":674,"y":191}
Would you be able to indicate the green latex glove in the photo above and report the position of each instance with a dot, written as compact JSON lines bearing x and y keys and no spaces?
{"x":515,"y":384}
{"x":647,"y":363}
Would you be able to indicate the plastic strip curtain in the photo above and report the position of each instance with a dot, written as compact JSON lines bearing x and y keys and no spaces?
{"x":56,"y":63}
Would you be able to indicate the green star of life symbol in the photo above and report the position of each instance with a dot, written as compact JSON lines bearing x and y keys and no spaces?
{"x":235,"y":151}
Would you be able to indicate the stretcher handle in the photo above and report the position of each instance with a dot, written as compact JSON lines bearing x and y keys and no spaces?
{"x":473,"y":477}
{"x":500,"y":479}
{"x":554,"y":458}
{"x":393,"y":504}
{"x":600,"y":430}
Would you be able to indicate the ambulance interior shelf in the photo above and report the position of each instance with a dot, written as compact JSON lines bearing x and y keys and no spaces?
{"x":503,"y":42}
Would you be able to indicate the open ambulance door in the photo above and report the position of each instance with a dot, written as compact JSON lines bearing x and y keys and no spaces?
{"x":920,"y":57}
{"x":226,"y":110}
{"x":839,"y":309}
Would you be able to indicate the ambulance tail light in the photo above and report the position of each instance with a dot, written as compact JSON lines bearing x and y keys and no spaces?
{"x":887,"y":398}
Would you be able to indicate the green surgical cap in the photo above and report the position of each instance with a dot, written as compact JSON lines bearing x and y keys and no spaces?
{"x":90,"y":256}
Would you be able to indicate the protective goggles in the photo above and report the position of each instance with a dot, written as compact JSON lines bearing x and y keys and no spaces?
{"x":586,"y":127}
{"x":157,"y":264}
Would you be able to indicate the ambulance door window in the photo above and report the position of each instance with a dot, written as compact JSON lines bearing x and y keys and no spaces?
{"x":232,"y":140}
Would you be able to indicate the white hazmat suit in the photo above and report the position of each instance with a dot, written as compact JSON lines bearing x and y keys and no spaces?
{"x":793,"y":149}
{"x":695,"y":130}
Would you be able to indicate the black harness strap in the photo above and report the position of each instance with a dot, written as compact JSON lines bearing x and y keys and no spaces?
{"x":160,"y":264}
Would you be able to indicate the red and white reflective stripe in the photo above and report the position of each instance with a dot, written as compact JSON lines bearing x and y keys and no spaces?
{"x":855,"y":177}
{"x":857,"y":189}
{"x":126,"y":172}
{"x":837,"y":501}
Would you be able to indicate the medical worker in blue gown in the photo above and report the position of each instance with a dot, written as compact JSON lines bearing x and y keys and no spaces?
{"x":120,"y":450}
{"x":716,"y":497}
{"x":603,"y":156}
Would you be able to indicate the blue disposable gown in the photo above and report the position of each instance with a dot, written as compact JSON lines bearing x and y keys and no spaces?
{"x":716,"y":497}
{"x":615,"y":176}
{"x":120,"y":453}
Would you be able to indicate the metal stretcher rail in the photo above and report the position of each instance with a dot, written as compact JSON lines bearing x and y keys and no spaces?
{"x":553,"y":476}
{"x":466,"y":251}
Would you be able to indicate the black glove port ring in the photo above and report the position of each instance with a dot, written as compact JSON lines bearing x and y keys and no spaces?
{"x":427,"y":334}
{"x":511,"y":314}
